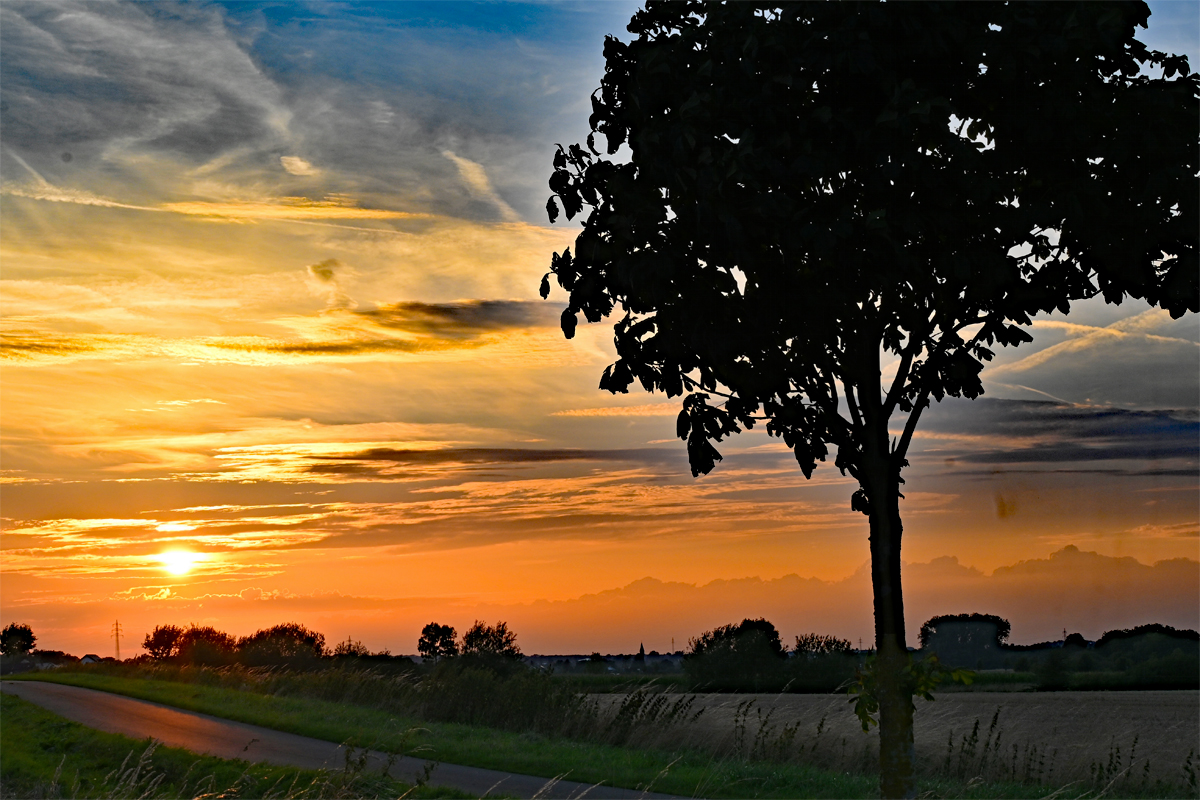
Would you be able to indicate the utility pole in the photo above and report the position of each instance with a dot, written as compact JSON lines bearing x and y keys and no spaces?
{"x":116,"y":634}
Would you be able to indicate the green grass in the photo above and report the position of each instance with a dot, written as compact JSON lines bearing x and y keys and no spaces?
{"x":683,"y":773}
{"x":44,"y":755}
{"x":687,"y":774}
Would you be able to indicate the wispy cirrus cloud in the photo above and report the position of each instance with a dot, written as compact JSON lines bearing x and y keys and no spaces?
{"x":282,"y":208}
{"x":288,"y":208}
{"x":644,"y":410}
{"x":1071,"y":360}
{"x":1047,"y":433}
{"x":480,"y":186}
{"x":55,"y":194}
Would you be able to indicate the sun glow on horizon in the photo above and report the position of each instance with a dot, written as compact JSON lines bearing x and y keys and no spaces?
{"x":179,"y":562}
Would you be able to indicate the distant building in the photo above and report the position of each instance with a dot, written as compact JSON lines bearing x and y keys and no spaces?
{"x":651,"y":662}
{"x":91,"y":658}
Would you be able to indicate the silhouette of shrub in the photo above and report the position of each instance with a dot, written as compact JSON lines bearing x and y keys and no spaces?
{"x":746,"y":656}
{"x":204,"y":645}
{"x":163,"y":642}
{"x":288,"y":644}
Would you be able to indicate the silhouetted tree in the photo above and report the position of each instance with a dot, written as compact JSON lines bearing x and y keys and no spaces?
{"x":351,"y":649}
{"x":17,"y":639}
{"x":821,"y":663}
{"x":289,"y":643}
{"x":1075,"y":640}
{"x":163,"y":642}
{"x":813,"y":645}
{"x":205,"y":645}
{"x":490,"y":640}
{"x":811,"y":187}
{"x":746,"y":655}
{"x":989,"y":628}
{"x":967,"y":640}
{"x":437,"y":642}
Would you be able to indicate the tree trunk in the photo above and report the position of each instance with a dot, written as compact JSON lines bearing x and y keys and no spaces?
{"x":896,"y":753}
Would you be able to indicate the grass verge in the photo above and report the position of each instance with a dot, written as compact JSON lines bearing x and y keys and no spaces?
{"x":43,"y":755}
{"x":687,"y":774}
{"x":683,"y":773}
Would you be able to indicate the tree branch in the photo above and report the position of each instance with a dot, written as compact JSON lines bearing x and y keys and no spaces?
{"x":856,"y":417}
{"x":915,"y":344}
{"x":900,"y":450}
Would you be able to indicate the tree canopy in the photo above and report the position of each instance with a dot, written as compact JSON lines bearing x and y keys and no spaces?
{"x":817,"y":645}
{"x":811,"y":183}
{"x":17,"y":639}
{"x":286,"y":643}
{"x":437,"y":642}
{"x":162,"y":642}
{"x":753,"y":636}
{"x":204,"y":644}
{"x":747,"y":655}
{"x":995,"y":629}
{"x":489,"y":641}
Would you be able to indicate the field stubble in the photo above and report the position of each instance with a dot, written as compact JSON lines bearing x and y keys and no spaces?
{"x":1051,"y":738}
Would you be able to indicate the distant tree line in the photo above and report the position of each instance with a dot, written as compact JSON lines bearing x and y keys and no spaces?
{"x":1146,"y":656}
{"x":286,"y":644}
{"x":746,"y":656}
{"x":750,"y":656}
{"x":439,"y":642}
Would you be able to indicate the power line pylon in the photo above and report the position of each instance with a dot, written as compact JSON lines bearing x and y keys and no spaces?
{"x":116,"y":634}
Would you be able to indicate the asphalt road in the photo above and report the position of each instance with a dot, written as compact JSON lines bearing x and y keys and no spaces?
{"x":209,"y":735}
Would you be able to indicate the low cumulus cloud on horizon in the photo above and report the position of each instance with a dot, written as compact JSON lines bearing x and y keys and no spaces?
{"x":1072,"y":588}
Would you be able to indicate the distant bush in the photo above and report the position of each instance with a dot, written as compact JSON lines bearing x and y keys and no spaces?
{"x":828,"y":672}
{"x":55,"y":657}
{"x":516,"y":698}
{"x":163,"y":642}
{"x":351,"y":648}
{"x":289,"y":644}
{"x":17,"y":639}
{"x":490,"y":640}
{"x":746,"y":656}
{"x":974,"y":641}
{"x":204,"y":645}
{"x":1052,"y":671}
{"x":814,"y":645}
{"x":492,"y":648}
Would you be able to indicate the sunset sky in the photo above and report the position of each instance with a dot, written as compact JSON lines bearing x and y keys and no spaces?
{"x":273,"y":350}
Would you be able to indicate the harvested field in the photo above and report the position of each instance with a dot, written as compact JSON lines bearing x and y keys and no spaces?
{"x":1051,"y":738}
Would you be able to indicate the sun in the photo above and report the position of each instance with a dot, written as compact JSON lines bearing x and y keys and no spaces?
{"x":179,"y":562}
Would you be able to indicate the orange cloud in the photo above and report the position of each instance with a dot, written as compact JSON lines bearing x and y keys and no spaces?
{"x":289,"y":208}
{"x":649,"y":410}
